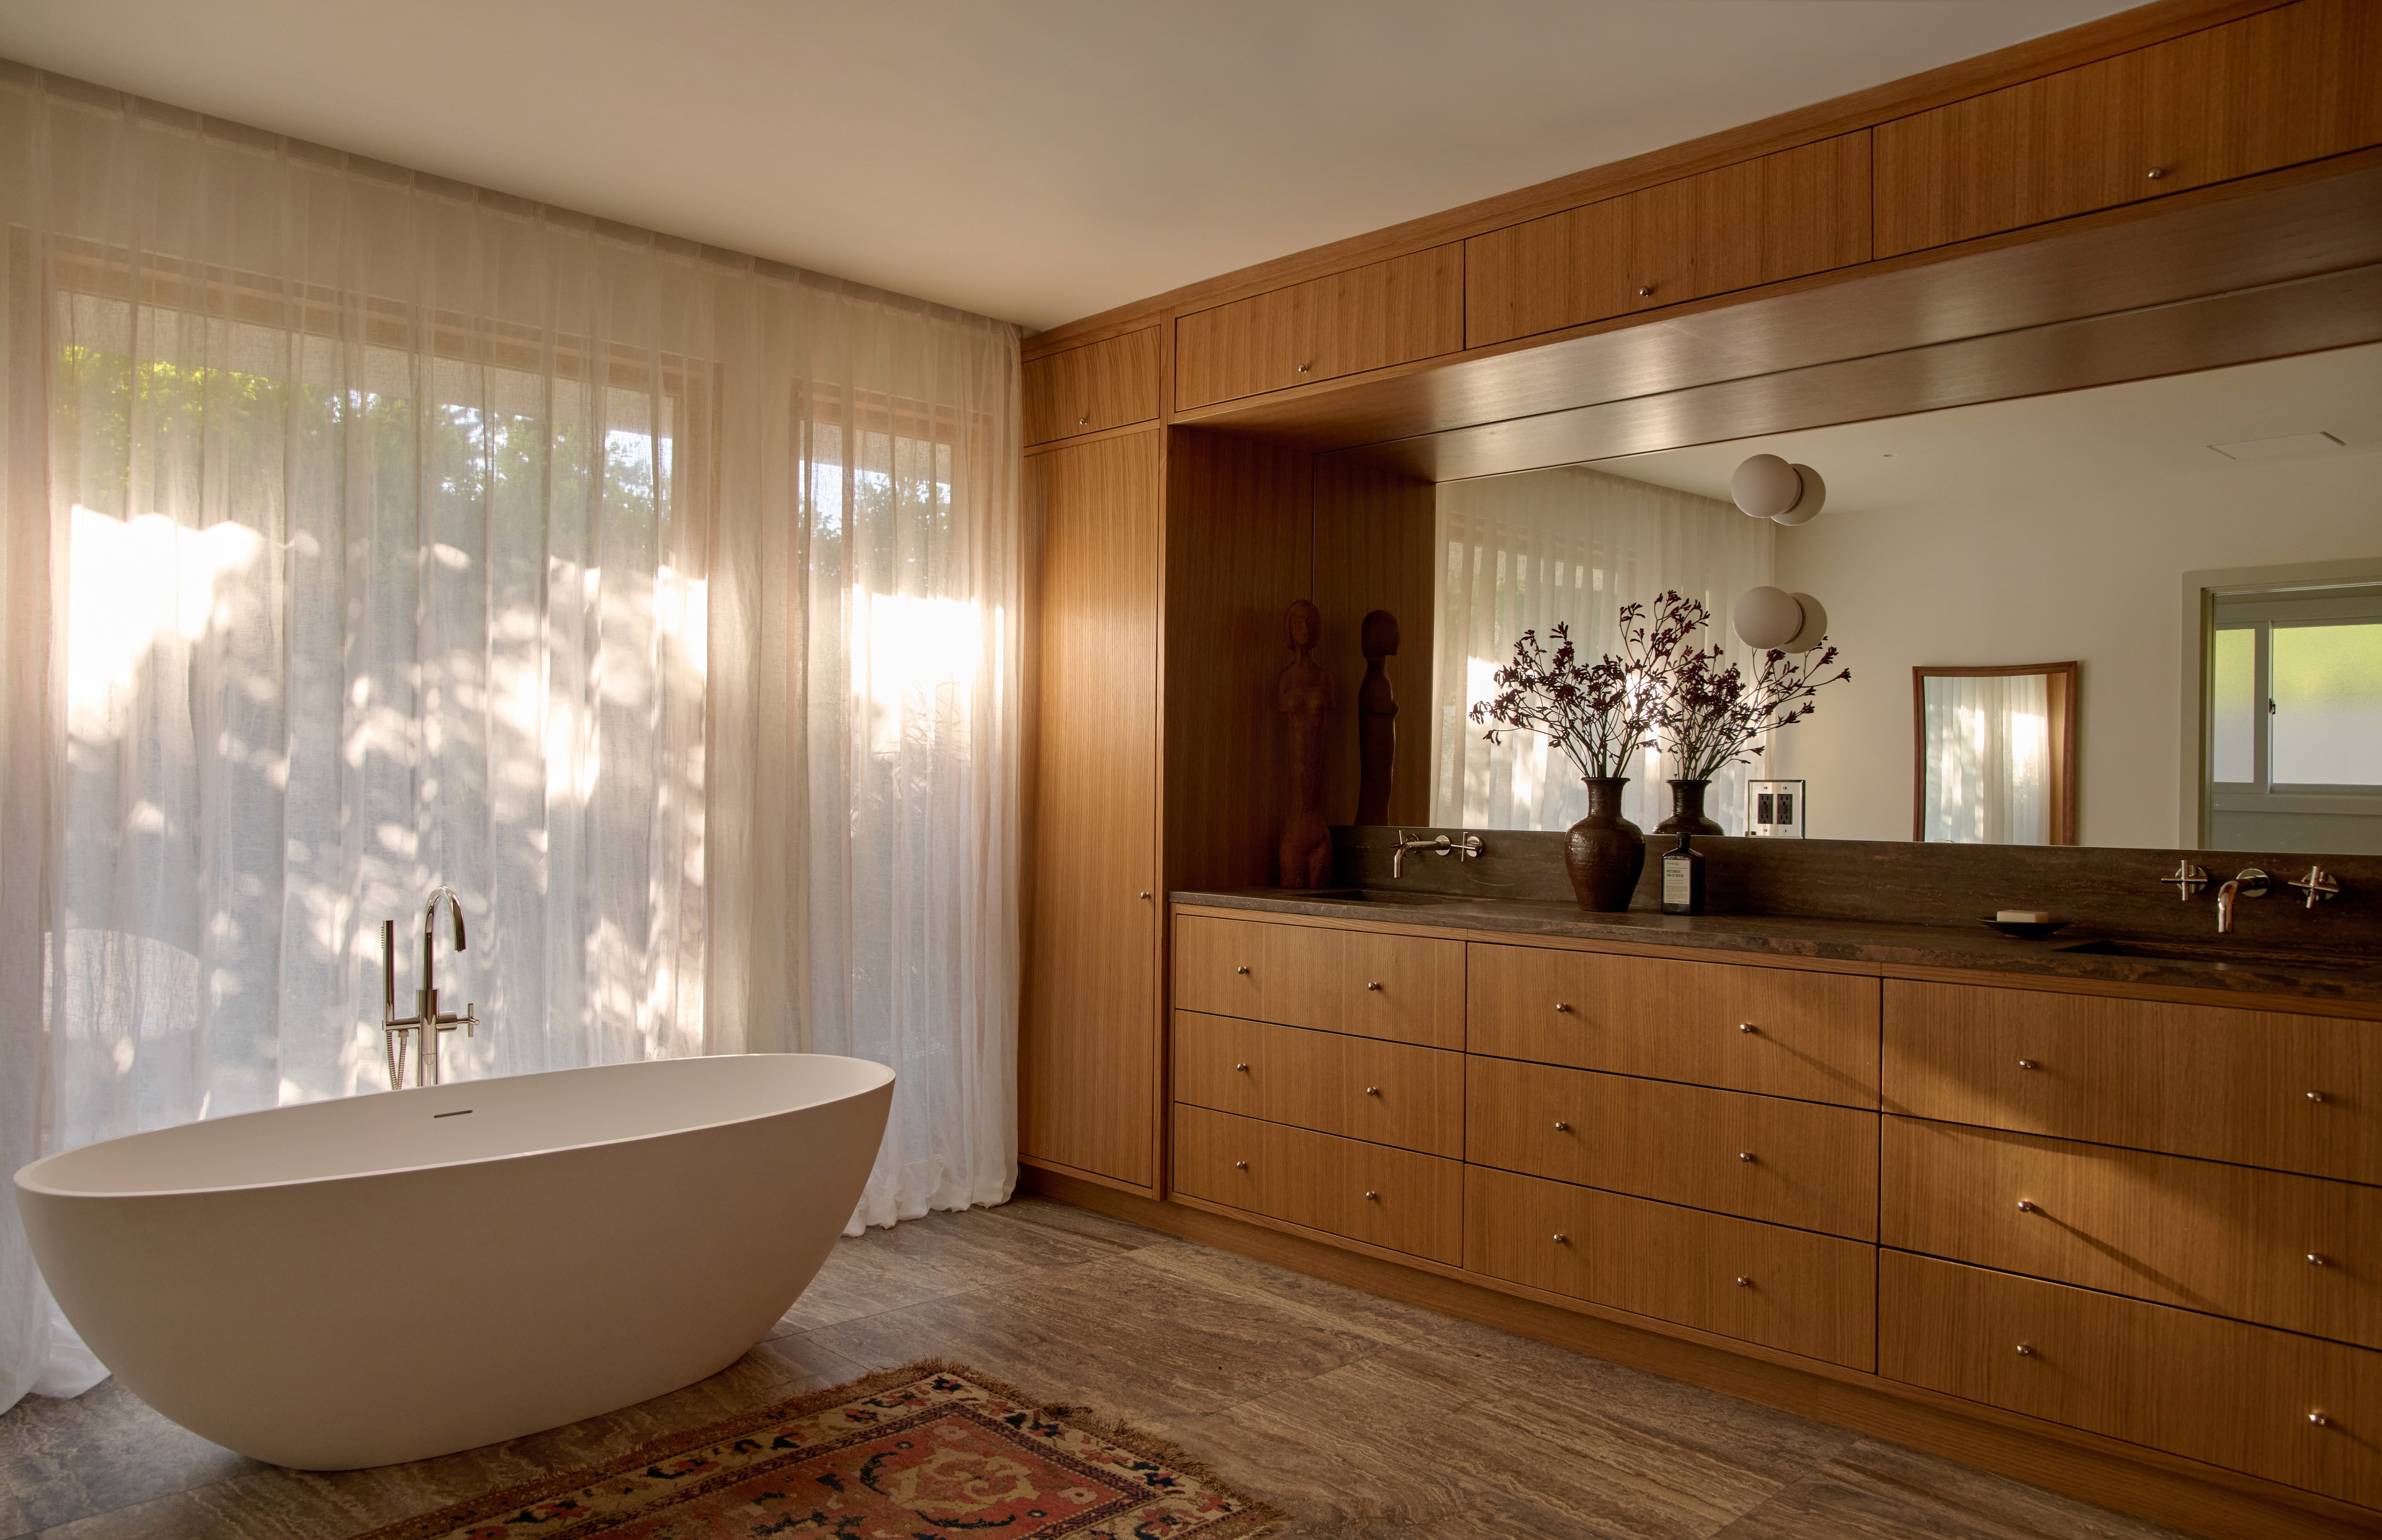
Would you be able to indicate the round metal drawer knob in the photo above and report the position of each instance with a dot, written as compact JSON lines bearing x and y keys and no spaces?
{"x":1747,"y":1026}
{"x":1084,"y":420}
{"x":1240,"y":1165}
{"x":1372,"y":1090}
{"x":1562,"y":1240}
{"x":1303,"y":368}
{"x":1243,"y":1068}
{"x":2155,"y":172}
{"x":1562,"y":1010}
{"x":1644,"y":289}
{"x":2028,"y":1064}
{"x":2317,"y":1259}
{"x":2025,"y":1352}
{"x":1745,"y":1155}
{"x":1240,"y":969}
{"x":1372,"y":986}
{"x":2026,"y":1206}
{"x":2318,"y":1098}
{"x":1562,"y":1126}
{"x":1372,"y":1197}
{"x":2317,"y":1418}
{"x":1745,"y":1283}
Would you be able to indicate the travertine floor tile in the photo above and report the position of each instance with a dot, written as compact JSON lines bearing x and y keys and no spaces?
{"x":1880,"y":1491}
{"x":60,"y":1459}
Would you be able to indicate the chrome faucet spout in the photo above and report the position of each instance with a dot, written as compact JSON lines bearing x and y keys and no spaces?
{"x":428,"y":1018}
{"x":2226,"y":892}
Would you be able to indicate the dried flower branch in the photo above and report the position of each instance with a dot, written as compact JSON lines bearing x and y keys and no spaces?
{"x":1599,"y":714}
{"x":1710,"y":716}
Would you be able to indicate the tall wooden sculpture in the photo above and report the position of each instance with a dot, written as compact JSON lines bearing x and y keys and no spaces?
{"x":1377,"y":719}
{"x":1306,"y":697}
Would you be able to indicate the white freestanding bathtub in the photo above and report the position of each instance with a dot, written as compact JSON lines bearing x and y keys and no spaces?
{"x":392,"y":1277}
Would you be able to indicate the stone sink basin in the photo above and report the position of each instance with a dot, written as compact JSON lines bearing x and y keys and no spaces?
{"x":2220,"y":955}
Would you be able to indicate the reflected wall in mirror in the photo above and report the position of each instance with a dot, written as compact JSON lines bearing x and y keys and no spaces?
{"x":1996,"y":535}
{"x":1994,"y":756}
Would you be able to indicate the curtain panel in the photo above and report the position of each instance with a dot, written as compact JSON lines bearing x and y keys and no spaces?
{"x":1986,"y":759}
{"x":368,"y":532}
{"x":1569,"y":545}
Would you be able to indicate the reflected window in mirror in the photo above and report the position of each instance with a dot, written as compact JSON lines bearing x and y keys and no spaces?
{"x":2294,"y":715}
{"x":1996,"y":755}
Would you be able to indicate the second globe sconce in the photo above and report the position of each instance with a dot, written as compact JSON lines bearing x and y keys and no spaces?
{"x":1768,"y":487}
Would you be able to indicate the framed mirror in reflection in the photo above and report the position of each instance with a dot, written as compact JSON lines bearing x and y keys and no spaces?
{"x":1994,"y":536}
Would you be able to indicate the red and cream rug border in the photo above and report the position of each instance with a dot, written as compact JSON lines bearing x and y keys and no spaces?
{"x":1254,"y":1520}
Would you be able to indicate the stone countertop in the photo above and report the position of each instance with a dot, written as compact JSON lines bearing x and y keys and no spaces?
{"x":2321,"y":977}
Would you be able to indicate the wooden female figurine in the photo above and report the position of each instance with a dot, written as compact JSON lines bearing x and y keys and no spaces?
{"x":1377,"y":719}
{"x":1306,"y":697}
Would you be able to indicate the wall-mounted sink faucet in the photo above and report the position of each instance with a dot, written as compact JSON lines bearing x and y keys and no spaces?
{"x":1467,"y":848}
{"x":2318,"y":885}
{"x":428,"y":1018}
{"x":2248,"y":883}
{"x":2186,"y":879}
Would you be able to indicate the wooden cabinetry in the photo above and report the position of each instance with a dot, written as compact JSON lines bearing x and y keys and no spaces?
{"x":1777,"y":217}
{"x":1386,"y":1197}
{"x":2279,"y":1405}
{"x":1406,"y":988}
{"x":1764,"y":1158}
{"x":1103,"y":384}
{"x":1370,"y":317}
{"x":1786,"y":1289}
{"x":1088,"y":1041}
{"x":2262,"y":1088}
{"x":2301,"y":1253}
{"x":2292,"y":84}
{"x":1388,"y":1093}
{"x":1780,"y":1032}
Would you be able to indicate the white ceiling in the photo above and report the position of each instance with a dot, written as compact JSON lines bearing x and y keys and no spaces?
{"x":1036,"y":160}
{"x":2132,"y":438}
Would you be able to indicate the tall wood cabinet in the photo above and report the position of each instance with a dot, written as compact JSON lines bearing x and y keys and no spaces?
{"x":1088,"y":1063}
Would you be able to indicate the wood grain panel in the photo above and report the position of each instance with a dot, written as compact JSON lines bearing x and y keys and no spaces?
{"x":2228,"y":1240}
{"x":1216,"y":966}
{"x":1786,"y":1289}
{"x":2262,"y":1088}
{"x":1088,"y":1053}
{"x":1099,"y":385}
{"x":1370,"y":317}
{"x":1406,"y":988}
{"x":2295,"y":83}
{"x":1811,"y":1166}
{"x":1776,"y":1031}
{"x":2234,"y":1395}
{"x":1804,"y":210}
{"x":1375,"y":543}
{"x":1238,"y":543}
{"x":1393,"y":1198}
{"x":1356,"y":1087}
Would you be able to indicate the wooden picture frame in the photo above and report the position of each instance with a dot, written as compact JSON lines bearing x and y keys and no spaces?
{"x":2061,"y":685}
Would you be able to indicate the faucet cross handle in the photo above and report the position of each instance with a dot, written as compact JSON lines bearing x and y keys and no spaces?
{"x":2186,"y":879}
{"x":2318,"y":885}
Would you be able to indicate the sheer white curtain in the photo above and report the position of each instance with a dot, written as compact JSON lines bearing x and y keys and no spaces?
{"x":1987,"y":756}
{"x":368,"y":532}
{"x":1526,"y":551}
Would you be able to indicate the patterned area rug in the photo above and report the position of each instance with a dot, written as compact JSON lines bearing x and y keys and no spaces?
{"x":928,"y":1451}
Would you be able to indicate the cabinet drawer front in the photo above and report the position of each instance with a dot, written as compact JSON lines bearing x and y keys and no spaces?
{"x":2287,"y":85}
{"x":1216,"y":964}
{"x":1394,"y":1198}
{"x":1777,"y":1031}
{"x":1804,"y":210}
{"x":1082,"y":390}
{"x":2237,"y":1396}
{"x":1810,"y":1165}
{"x":1370,"y":317}
{"x":2224,"y":1238}
{"x":1406,"y":988}
{"x":1802,"y":1293}
{"x":2261,"y":1088}
{"x":1387,"y":1093}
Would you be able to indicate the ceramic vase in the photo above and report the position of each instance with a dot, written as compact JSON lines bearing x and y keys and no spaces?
{"x":1688,"y":811}
{"x":1604,"y":852}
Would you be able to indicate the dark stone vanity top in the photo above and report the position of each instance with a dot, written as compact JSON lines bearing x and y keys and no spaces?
{"x":2347,"y":976}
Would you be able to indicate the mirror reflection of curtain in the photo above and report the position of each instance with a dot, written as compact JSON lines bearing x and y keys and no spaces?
{"x":1987,"y":758}
{"x":1524,"y":552}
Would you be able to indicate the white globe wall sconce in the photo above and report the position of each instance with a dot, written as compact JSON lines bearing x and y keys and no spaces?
{"x":1772,"y":618}
{"x":1768,"y":487}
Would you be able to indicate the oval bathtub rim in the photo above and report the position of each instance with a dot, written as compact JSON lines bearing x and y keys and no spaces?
{"x":25,"y":1171}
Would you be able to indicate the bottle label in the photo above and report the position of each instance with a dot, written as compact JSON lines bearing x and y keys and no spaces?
{"x":1678,"y":880}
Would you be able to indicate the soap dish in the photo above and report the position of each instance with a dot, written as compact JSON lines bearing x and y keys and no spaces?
{"x":2026,"y":930}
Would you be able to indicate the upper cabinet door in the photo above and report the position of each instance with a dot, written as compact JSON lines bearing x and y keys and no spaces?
{"x":1370,"y":317}
{"x":1804,"y":210}
{"x":2272,"y":89}
{"x":1082,"y":390}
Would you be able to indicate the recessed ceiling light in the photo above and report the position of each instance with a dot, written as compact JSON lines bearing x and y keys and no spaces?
{"x":2274,"y":449}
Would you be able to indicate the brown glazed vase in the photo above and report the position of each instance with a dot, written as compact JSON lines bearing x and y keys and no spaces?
{"x":1688,"y":811}
{"x":1604,"y":852}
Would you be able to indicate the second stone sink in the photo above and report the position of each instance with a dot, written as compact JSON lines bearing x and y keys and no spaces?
{"x":2218,"y":954}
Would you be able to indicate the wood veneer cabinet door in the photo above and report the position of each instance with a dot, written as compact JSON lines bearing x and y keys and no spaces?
{"x":1370,"y":317}
{"x":2261,"y":1088}
{"x":2238,"y":1396}
{"x":1088,"y":1065}
{"x":1369,"y":1192}
{"x":1786,"y":1289}
{"x":1763,"y":1158}
{"x":1083,"y":390}
{"x":1387,"y":1093}
{"x":2301,"y":1252}
{"x":2287,"y":85}
{"x":1777,"y":217}
{"x":1781,"y":1031}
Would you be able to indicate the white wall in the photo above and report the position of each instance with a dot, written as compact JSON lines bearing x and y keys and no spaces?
{"x":2084,"y":567}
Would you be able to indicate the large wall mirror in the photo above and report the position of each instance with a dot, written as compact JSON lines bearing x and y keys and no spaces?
{"x":1974,"y":542}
